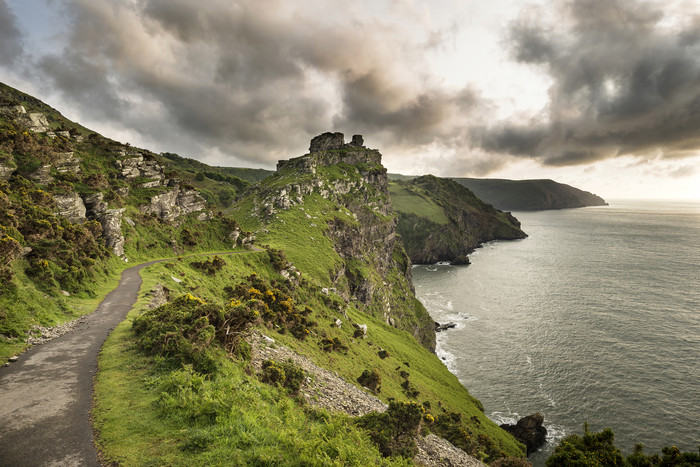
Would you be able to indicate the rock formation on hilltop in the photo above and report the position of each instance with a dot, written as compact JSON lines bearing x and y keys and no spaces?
{"x":360,"y":222}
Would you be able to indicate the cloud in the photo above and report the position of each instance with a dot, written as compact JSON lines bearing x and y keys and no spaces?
{"x":626,"y":81}
{"x":11,"y":46}
{"x":255,"y":79}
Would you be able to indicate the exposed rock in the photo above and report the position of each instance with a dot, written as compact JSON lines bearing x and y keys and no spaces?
{"x":111,"y":220}
{"x":530,"y":431}
{"x":36,"y":121}
{"x":360,"y":331}
{"x":338,"y":323}
{"x":327,"y":141}
{"x":42,"y":175}
{"x":95,"y":205}
{"x":160,"y":295}
{"x":63,"y":134}
{"x":357,"y":141}
{"x":139,"y":165}
{"x":436,"y":451}
{"x":6,"y":170}
{"x":70,"y":206}
{"x":174,"y":203}
{"x":444,"y":327}
{"x":67,"y":162}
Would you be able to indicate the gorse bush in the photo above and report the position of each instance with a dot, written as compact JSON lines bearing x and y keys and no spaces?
{"x":394,"y":430}
{"x":277,"y":308}
{"x":185,"y":330}
{"x":598,"y":449}
{"x":371,"y":380}
{"x":285,"y":374}
{"x":211,"y":266}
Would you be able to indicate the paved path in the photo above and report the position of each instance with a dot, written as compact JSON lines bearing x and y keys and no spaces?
{"x":46,"y":396}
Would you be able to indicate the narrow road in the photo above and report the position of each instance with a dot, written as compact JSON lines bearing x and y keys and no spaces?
{"x":46,"y":396}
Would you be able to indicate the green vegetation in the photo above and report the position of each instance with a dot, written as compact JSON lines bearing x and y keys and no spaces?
{"x":439,"y":220}
{"x":598,"y":449}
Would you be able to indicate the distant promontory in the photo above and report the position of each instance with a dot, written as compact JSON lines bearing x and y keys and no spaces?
{"x":529,"y":195}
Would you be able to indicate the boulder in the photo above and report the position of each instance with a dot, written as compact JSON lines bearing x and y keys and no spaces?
{"x":530,"y":431}
{"x":444,"y":327}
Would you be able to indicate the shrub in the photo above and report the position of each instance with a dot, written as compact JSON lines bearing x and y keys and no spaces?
{"x":285,"y":374}
{"x":333,"y":344}
{"x":394,"y":430}
{"x":185,"y":330}
{"x":277,"y":308}
{"x":211,"y":266}
{"x":371,"y":380}
{"x":589,"y":449}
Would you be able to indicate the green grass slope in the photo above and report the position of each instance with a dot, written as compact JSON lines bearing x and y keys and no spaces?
{"x":440,"y":220}
{"x":216,"y":409}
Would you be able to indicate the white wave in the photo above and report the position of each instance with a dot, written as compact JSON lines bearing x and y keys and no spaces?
{"x":449,"y":305}
{"x":443,"y":263}
{"x":446,"y":357}
{"x":529,"y":360}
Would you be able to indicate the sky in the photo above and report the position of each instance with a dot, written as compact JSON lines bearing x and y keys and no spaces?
{"x":600,"y":94}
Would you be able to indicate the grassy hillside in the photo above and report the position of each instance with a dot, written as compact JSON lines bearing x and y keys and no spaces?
{"x":526,"y":195}
{"x":439,"y":220}
{"x":523,"y":195}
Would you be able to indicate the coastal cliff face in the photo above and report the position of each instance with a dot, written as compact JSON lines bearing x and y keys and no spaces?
{"x":339,"y":192}
{"x":440,"y":220}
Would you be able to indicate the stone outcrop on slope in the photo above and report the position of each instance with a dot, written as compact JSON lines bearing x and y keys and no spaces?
{"x":174,"y":203}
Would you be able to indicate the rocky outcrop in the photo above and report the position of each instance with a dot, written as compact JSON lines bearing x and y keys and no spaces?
{"x":42,"y":175}
{"x":327,"y":142}
{"x":111,"y":220}
{"x":530,"y":431}
{"x":174,"y":203}
{"x":95,"y":205}
{"x":67,"y":162}
{"x":70,"y":206}
{"x":34,"y":121}
{"x":135,"y":164}
{"x":6,"y":170}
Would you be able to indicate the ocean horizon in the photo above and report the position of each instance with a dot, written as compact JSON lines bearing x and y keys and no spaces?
{"x":595,"y":317}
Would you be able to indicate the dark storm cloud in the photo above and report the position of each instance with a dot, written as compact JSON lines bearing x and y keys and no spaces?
{"x":252,"y":79}
{"x":10,"y":36}
{"x":625,"y":82}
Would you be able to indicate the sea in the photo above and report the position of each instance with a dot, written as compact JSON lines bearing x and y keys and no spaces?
{"x":595,"y":317}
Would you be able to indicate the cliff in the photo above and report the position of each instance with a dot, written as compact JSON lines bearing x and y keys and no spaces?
{"x":529,"y":195}
{"x":440,"y":220}
{"x":339,"y":193}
